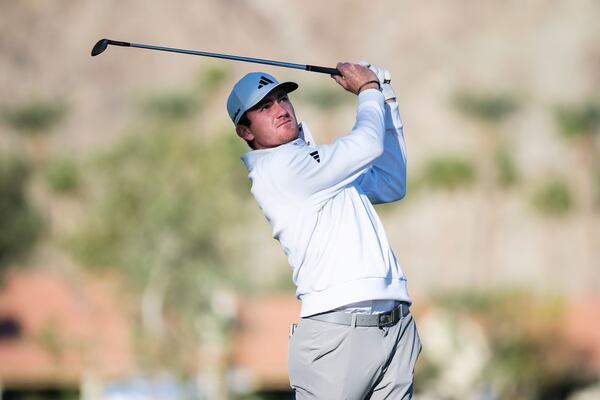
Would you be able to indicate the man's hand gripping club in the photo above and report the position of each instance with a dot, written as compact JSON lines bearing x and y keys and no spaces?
{"x":385,"y":79}
{"x":355,"y":78}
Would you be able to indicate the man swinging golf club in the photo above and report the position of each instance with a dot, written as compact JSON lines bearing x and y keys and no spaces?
{"x":356,"y":338}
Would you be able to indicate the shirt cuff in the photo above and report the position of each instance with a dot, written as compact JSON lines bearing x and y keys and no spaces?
{"x":370,"y":95}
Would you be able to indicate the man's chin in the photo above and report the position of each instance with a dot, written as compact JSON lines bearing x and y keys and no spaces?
{"x":290,"y":130}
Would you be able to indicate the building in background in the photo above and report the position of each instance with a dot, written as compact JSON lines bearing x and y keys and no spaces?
{"x":60,"y":336}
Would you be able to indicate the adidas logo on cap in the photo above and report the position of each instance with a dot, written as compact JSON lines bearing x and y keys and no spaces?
{"x":264,"y":81}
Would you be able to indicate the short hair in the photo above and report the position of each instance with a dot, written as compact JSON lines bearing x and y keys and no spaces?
{"x":245,"y":121}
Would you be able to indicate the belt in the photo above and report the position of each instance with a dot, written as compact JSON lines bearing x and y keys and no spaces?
{"x":389,"y":318}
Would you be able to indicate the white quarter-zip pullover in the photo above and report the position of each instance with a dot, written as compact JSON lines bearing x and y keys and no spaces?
{"x":319,"y":201}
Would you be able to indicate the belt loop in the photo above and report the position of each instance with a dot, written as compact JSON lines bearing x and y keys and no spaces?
{"x":353,"y":322}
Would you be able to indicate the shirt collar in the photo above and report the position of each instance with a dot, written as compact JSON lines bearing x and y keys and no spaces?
{"x":304,"y":137}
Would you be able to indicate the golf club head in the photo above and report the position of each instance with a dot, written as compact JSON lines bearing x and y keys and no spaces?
{"x":100,"y":47}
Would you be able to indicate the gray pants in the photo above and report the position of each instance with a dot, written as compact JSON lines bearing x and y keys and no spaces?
{"x":331,"y":362}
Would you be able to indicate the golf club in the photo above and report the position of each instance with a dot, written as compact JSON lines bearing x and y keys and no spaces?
{"x":103,"y":44}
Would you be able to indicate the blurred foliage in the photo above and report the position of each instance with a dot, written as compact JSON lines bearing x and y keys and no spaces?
{"x":486,"y":107}
{"x":508,"y":174}
{"x":447,"y":172}
{"x":36,"y":116}
{"x":165,"y":206}
{"x":579,"y":120}
{"x":20,"y":224}
{"x":171,"y":105}
{"x":504,"y":305}
{"x":553,"y":198}
{"x":164,"y":212}
{"x":174,"y":105}
{"x":158,"y":185}
{"x":596,"y":188}
{"x":281,"y":281}
{"x":530,"y":358}
{"x":213,"y":77}
{"x":325,"y":97}
{"x":51,"y":341}
{"x":62,"y":175}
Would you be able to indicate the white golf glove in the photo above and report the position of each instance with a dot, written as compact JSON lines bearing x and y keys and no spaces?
{"x":384,"y":77}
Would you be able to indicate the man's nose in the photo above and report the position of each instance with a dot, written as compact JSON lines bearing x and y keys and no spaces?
{"x":281,"y":111}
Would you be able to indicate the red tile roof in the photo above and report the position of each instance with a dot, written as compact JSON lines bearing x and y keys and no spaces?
{"x":261,"y":340}
{"x":69,"y":326}
{"x":582,"y":327}
{"x":73,"y":325}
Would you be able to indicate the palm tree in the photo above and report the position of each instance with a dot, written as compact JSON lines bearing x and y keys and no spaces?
{"x":580,"y":125}
{"x":488,"y":112}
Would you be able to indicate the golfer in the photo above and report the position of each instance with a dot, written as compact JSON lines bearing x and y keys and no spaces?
{"x":356,"y":338}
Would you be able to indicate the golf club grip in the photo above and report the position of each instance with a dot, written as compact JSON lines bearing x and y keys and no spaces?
{"x":323,"y":70}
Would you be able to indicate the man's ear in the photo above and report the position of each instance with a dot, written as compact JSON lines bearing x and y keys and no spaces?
{"x":244,"y":132}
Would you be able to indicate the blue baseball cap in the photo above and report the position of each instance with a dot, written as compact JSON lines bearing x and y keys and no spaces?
{"x":250,"y":90}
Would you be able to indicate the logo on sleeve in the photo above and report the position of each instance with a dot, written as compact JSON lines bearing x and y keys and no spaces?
{"x":315,"y":155}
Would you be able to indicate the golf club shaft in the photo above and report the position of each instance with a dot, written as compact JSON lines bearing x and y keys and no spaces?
{"x":311,"y":68}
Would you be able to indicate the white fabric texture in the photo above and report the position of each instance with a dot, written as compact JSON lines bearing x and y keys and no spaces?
{"x":319,"y":201}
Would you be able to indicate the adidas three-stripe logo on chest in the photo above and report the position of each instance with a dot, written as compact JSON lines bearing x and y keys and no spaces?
{"x":315,"y":155}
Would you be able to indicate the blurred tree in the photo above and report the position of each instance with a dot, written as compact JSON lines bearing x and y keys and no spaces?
{"x":20,"y":224}
{"x":172,"y":105}
{"x":495,"y":167}
{"x":580,"y":125}
{"x":165,"y":210}
{"x":35,"y":116}
{"x":62,"y":175}
{"x":176,"y":105}
{"x":213,"y":77}
{"x":582,"y":120}
{"x":508,"y":174}
{"x":34,"y":119}
{"x":448,"y":172}
{"x":529,"y":357}
{"x":164,"y":213}
{"x":553,"y":198}
{"x":491,"y":108}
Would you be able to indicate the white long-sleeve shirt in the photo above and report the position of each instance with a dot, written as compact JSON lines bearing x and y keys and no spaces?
{"x":319,"y":201}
